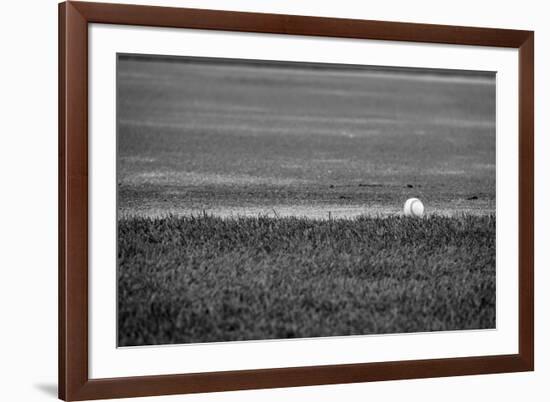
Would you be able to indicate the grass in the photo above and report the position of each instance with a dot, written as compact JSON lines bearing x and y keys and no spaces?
{"x":211,"y":279}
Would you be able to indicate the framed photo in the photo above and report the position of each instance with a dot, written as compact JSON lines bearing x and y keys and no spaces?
{"x":258,"y":200}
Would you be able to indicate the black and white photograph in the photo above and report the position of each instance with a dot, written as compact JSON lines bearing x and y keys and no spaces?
{"x":262,"y":200}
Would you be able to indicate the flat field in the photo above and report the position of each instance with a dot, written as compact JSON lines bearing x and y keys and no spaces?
{"x":208,"y":279}
{"x":260,"y":200}
{"x":248,"y":139}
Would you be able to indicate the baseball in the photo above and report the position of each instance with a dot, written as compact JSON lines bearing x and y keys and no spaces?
{"x":413,"y":207}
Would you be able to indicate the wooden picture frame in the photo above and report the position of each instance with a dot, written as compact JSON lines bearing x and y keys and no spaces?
{"x":74,"y":381}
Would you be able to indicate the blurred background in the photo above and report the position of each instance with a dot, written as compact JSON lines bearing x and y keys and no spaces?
{"x":253,"y":137}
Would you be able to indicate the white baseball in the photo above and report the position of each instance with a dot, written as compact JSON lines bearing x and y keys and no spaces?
{"x":413,"y":207}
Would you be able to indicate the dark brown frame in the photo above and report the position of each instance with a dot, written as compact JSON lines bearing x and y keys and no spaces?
{"x":74,"y":383}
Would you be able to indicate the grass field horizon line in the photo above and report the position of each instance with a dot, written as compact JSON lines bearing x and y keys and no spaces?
{"x":275,"y":215}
